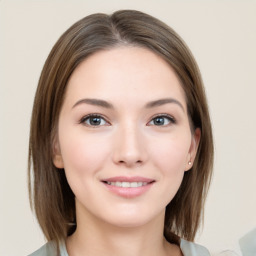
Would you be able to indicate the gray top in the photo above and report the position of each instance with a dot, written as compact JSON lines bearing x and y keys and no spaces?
{"x":248,"y":243}
{"x":187,"y":248}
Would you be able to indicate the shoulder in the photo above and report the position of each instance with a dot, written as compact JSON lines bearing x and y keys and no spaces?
{"x":192,"y":249}
{"x":49,"y":249}
{"x":248,"y":243}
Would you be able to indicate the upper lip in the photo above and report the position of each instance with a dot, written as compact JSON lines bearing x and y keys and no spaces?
{"x":128,"y":179}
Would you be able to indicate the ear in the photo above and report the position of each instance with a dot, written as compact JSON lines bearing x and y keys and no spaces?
{"x":56,"y":154}
{"x":193,"y":148}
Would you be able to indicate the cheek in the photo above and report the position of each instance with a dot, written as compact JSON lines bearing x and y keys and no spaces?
{"x":170,"y":155}
{"x":83,"y":155}
{"x":83,"y":158}
{"x":170,"y":158}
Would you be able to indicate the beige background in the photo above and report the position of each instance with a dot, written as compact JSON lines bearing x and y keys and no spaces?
{"x":222,"y":36}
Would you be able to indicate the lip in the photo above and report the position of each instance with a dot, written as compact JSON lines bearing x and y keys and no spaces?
{"x":128,"y":192}
{"x":129,"y":179}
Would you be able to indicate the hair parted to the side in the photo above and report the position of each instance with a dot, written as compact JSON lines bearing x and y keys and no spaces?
{"x":50,"y":194}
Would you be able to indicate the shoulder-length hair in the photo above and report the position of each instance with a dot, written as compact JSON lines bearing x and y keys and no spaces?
{"x":50,"y":194}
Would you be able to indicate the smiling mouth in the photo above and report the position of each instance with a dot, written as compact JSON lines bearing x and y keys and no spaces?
{"x":126,"y":184}
{"x":128,"y":187}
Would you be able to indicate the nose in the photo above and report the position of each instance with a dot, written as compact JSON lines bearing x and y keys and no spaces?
{"x":129,"y":147}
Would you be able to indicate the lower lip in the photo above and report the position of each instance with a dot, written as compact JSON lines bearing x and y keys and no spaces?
{"x":128,"y":192}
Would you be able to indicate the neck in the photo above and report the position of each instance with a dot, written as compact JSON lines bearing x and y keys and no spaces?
{"x":95,"y":237}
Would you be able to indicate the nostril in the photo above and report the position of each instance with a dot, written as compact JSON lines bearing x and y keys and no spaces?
{"x":130,"y":162}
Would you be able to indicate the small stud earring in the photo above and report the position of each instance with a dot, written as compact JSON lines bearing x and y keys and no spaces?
{"x":189,"y":163}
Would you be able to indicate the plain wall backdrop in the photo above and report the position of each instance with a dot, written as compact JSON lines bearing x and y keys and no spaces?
{"x":222,"y":37}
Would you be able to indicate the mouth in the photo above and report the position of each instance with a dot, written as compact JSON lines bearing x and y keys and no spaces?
{"x":125,"y":184}
{"x":128,"y":187}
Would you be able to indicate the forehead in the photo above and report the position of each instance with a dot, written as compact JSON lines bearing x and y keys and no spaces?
{"x":124,"y":73}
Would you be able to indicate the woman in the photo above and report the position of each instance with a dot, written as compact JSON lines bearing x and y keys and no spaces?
{"x":121,"y":144}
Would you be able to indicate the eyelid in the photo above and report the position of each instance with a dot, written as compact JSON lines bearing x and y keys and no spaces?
{"x":169,"y":117}
{"x":83,"y":119}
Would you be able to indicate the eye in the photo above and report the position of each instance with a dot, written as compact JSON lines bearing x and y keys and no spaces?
{"x":93,"y":120}
{"x":162,"y":120}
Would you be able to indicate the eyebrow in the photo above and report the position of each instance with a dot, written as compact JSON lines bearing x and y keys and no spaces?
{"x":105,"y":104}
{"x":157,"y":103}
{"x":95,"y":102}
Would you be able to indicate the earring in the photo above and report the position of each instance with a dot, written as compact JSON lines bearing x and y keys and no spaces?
{"x":189,"y":163}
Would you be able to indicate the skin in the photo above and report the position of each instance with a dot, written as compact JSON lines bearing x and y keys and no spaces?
{"x":126,"y":140}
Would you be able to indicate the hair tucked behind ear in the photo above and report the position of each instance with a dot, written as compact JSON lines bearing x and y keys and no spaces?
{"x":50,"y":194}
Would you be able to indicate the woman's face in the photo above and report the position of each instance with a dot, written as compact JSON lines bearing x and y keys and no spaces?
{"x":124,"y":137}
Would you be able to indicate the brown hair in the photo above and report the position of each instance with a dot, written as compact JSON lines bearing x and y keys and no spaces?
{"x":50,"y":194}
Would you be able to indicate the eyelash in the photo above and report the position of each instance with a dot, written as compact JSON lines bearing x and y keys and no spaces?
{"x":170,"y":119}
{"x":83,"y":120}
{"x":87,"y":117}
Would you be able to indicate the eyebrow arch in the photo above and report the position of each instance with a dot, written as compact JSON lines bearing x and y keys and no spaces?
{"x":95,"y":102}
{"x":161,"y":102}
{"x":105,"y":104}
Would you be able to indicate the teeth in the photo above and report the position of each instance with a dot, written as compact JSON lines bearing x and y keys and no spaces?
{"x":127,"y":184}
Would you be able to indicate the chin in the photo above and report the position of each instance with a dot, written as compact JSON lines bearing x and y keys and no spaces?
{"x":129,"y":223}
{"x":133,"y":220}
